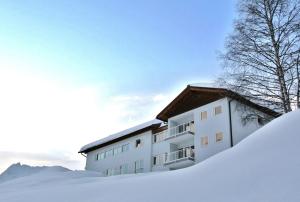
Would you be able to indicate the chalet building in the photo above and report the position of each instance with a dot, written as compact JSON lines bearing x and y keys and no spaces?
{"x":197,"y":124}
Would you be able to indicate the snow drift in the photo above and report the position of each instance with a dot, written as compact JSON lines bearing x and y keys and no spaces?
{"x":17,"y":170}
{"x":263,"y":167}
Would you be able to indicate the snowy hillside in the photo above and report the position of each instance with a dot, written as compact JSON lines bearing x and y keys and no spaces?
{"x":17,"y":170}
{"x":263,"y":167}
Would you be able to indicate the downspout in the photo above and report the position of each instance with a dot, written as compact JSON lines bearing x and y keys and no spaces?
{"x":230,"y":123}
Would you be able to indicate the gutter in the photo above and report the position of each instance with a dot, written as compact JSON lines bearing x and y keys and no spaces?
{"x":230,"y":123}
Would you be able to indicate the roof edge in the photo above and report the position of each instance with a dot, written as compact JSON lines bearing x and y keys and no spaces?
{"x":132,"y":134}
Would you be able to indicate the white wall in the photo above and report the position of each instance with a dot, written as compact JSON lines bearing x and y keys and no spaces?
{"x":241,"y":130}
{"x":128,"y":157}
{"x":209,"y":127}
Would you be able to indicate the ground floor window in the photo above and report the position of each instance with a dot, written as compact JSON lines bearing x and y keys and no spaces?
{"x":124,"y":169}
{"x":139,"y":166}
{"x":109,"y":172}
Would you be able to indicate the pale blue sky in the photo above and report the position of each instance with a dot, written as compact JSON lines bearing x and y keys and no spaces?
{"x":153,"y":43}
{"x":72,"y":72}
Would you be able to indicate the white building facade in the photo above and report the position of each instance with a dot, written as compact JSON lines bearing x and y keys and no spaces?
{"x":197,"y":124}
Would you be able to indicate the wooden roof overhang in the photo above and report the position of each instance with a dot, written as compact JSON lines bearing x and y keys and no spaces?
{"x":193,"y":97}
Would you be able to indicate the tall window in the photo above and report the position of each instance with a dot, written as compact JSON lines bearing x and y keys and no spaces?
{"x":218,"y":110}
{"x":138,"y":143}
{"x":124,"y":169}
{"x":204,"y":141}
{"x":102,"y":156}
{"x":204,"y":115}
{"x":219,"y":137}
{"x":139,"y":166}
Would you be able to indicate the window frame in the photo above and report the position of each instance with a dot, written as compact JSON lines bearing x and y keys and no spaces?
{"x":222,"y":137}
{"x":202,"y":117}
{"x":207,"y":140}
{"x":138,"y":145}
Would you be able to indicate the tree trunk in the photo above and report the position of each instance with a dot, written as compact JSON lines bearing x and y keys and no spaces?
{"x":279,"y":70}
{"x":298,"y":80}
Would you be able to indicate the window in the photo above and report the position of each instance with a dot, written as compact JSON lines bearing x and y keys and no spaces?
{"x":219,"y":137}
{"x":261,"y":120}
{"x":108,"y":153}
{"x":204,"y":141}
{"x":158,"y":160}
{"x":159,"y":137}
{"x":101,"y":156}
{"x":117,"y":171}
{"x":139,"y":166}
{"x":124,"y":169}
{"x":218,"y":110}
{"x":204,"y":115}
{"x":117,"y":150}
{"x":109,"y":172}
{"x":138,"y":143}
{"x":154,"y":160}
{"x":125,"y":147}
{"x":97,"y":157}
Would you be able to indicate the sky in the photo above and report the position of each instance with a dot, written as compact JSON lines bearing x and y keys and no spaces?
{"x":72,"y":72}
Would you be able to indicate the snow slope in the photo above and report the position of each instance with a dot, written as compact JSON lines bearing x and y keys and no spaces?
{"x":263,"y":167}
{"x":17,"y":170}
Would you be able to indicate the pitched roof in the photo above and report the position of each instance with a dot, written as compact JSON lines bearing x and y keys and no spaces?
{"x":150,"y":125}
{"x":194,"y":96}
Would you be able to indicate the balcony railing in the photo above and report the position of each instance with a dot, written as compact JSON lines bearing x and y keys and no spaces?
{"x":186,"y":153}
{"x":181,"y":129}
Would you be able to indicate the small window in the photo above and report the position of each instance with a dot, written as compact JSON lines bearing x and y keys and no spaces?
{"x":97,"y":157}
{"x":261,"y":120}
{"x":218,"y":110}
{"x":102,"y":155}
{"x":219,"y":137}
{"x":117,"y":150}
{"x":154,"y":138}
{"x":204,"y":115}
{"x":108,"y":153}
{"x":154,"y":160}
{"x":204,"y":141}
{"x":158,"y":160}
{"x":109,"y":172}
{"x":159,"y":137}
{"x":125,"y":147}
{"x":138,"y":143}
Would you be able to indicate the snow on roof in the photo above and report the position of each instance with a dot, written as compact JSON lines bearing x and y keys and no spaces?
{"x":203,"y":85}
{"x":120,"y":134}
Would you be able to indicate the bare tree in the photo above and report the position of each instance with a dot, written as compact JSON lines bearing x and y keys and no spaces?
{"x":262,"y":54}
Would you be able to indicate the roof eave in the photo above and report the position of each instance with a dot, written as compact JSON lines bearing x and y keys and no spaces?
{"x":151,"y":127}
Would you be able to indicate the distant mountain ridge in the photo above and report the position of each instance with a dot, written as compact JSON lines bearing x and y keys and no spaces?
{"x":18,"y":170}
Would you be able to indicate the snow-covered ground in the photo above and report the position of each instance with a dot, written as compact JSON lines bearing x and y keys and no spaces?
{"x":263,"y":167}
